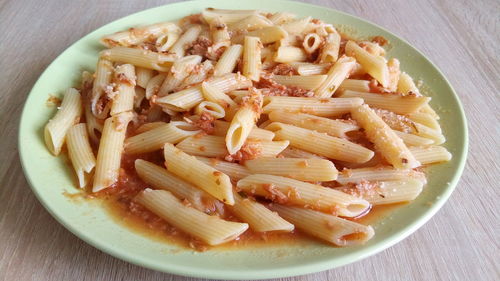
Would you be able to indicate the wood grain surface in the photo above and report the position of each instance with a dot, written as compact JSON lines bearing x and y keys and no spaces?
{"x":460,"y":243}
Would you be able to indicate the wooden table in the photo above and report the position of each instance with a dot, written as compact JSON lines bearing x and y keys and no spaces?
{"x":459,"y":243}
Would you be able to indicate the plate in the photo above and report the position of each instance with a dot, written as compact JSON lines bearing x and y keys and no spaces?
{"x":51,"y":178}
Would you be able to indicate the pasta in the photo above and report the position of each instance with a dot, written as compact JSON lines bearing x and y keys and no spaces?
{"x":242,"y":121}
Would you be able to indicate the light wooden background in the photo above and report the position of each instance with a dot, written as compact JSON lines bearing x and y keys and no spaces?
{"x":460,"y":243}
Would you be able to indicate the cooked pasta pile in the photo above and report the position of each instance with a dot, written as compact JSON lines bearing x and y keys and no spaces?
{"x":281,"y":121}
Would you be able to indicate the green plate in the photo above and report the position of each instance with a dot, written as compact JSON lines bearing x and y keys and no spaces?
{"x":51,"y":179}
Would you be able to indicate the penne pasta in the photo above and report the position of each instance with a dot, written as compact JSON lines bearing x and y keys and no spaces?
{"x":311,"y":43}
{"x":155,"y":138}
{"x":355,"y":85}
{"x":379,"y":173}
{"x":335,"y":76}
{"x":179,"y":71}
{"x":325,"y":107}
{"x":335,"y":230}
{"x":310,"y":82}
{"x":281,"y":17}
{"x":330,"y":50}
{"x":125,"y":81}
{"x":305,"y":69}
{"x":406,"y":84}
{"x":199,"y":74}
{"x":68,"y":114}
{"x":393,"y":102}
{"x":233,"y":170}
{"x":186,"y":99}
{"x":210,"y":229}
{"x":135,"y":36}
{"x":211,"y":108}
{"x":390,"y":192}
{"x":166,"y":41}
{"x":102,"y":81}
{"x":304,"y":169}
{"x":374,"y":65}
{"x":206,"y":145}
{"x":386,"y":141}
{"x":296,"y":26}
{"x":293,"y":192}
{"x":110,"y":151}
{"x":243,"y":121}
{"x":138,"y":57}
{"x":184,"y":41}
{"x":212,"y":94}
{"x":265,"y":35}
{"x":336,"y":128}
{"x":143,"y":76}
{"x":227,"y":16}
{"x":154,"y":85}
{"x":198,"y":173}
{"x":292,"y":152}
{"x":413,"y":140}
{"x":251,"y":23}
{"x":320,"y":143}
{"x":252,"y":65}
{"x":259,"y":218}
{"x":432,"y":154}
{"x":228,"y":60}
{"x":160,"y":178}
{"x":288,"y":54}
{"x":80,"y":153}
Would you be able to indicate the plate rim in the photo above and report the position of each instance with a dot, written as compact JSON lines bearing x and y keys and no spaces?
{"x":284,"y":271}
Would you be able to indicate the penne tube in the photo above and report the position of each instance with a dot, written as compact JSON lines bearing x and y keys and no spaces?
{"x":304,"y":169}
{"x":305,"y":69}
{"x":186,"y":99}
{"x":378,"y":173}
{"x":311,"y":43}
{"x":296,"y":26}
{"x":427,"y":109}
{"x":227,"y":16}
{"x":159,"y":178}
{"x":406,"y":84}
{"x":390,"y":192}
{"x":335,"y":76}
{"x":394,"y":73}
{"x":258,"y":217}
{"x":281,"y":17}
{"x":154,"y":85}
{"x":214,"y":95}
{"x":198,"y":173}
{"x":386,"y":141}
{"x":93,"y":125}
{"x":393,"y":102}
{"x":138,"y":57}
{"x":155,"y":138}
{"x":143,"y":76}
{"x":336,"y":128}
{"x":233,"y":170}
{"x":179,"y":71}
{"x":80,"y":153}
{"x":148,"y":126}
{"x":220,"y":129}
{"x":228,"y":60}
{"x":335,"y":230}
{"x":292,"y":152}
{"x":219,"y":32}
{"x":209,"y":229}
{"x":110,"y":150}
{"x":310,"y":82}
{"x":199,"y":74}
{"x":251,"y":23}
{"x":374,"y":65}
{"x":330,"y":50}
{"x":293,"y":192}
{"x":372,"y":48}
{"x":211,"y":108}
{"x":137,"y":35}
{"x":355,"y":85}
{"x":266,"y":35}
{"x":125,"y":81}
{"x":432,"y":154}
{"x":269,"y":148}
{"x":252,"y":65}
{"x":206,"y":145}
{"x":184,"y":41}
{"x":102,"y":81}
{"x":243,"y":121}
{"x":426,"y":120}
{"x":413,"y":140}
{"x":287,"y":54}
{"x":320,"y":143}
{"x":68,"y":114}
{"x":325,"y":107}
{"x":166,"y":41}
